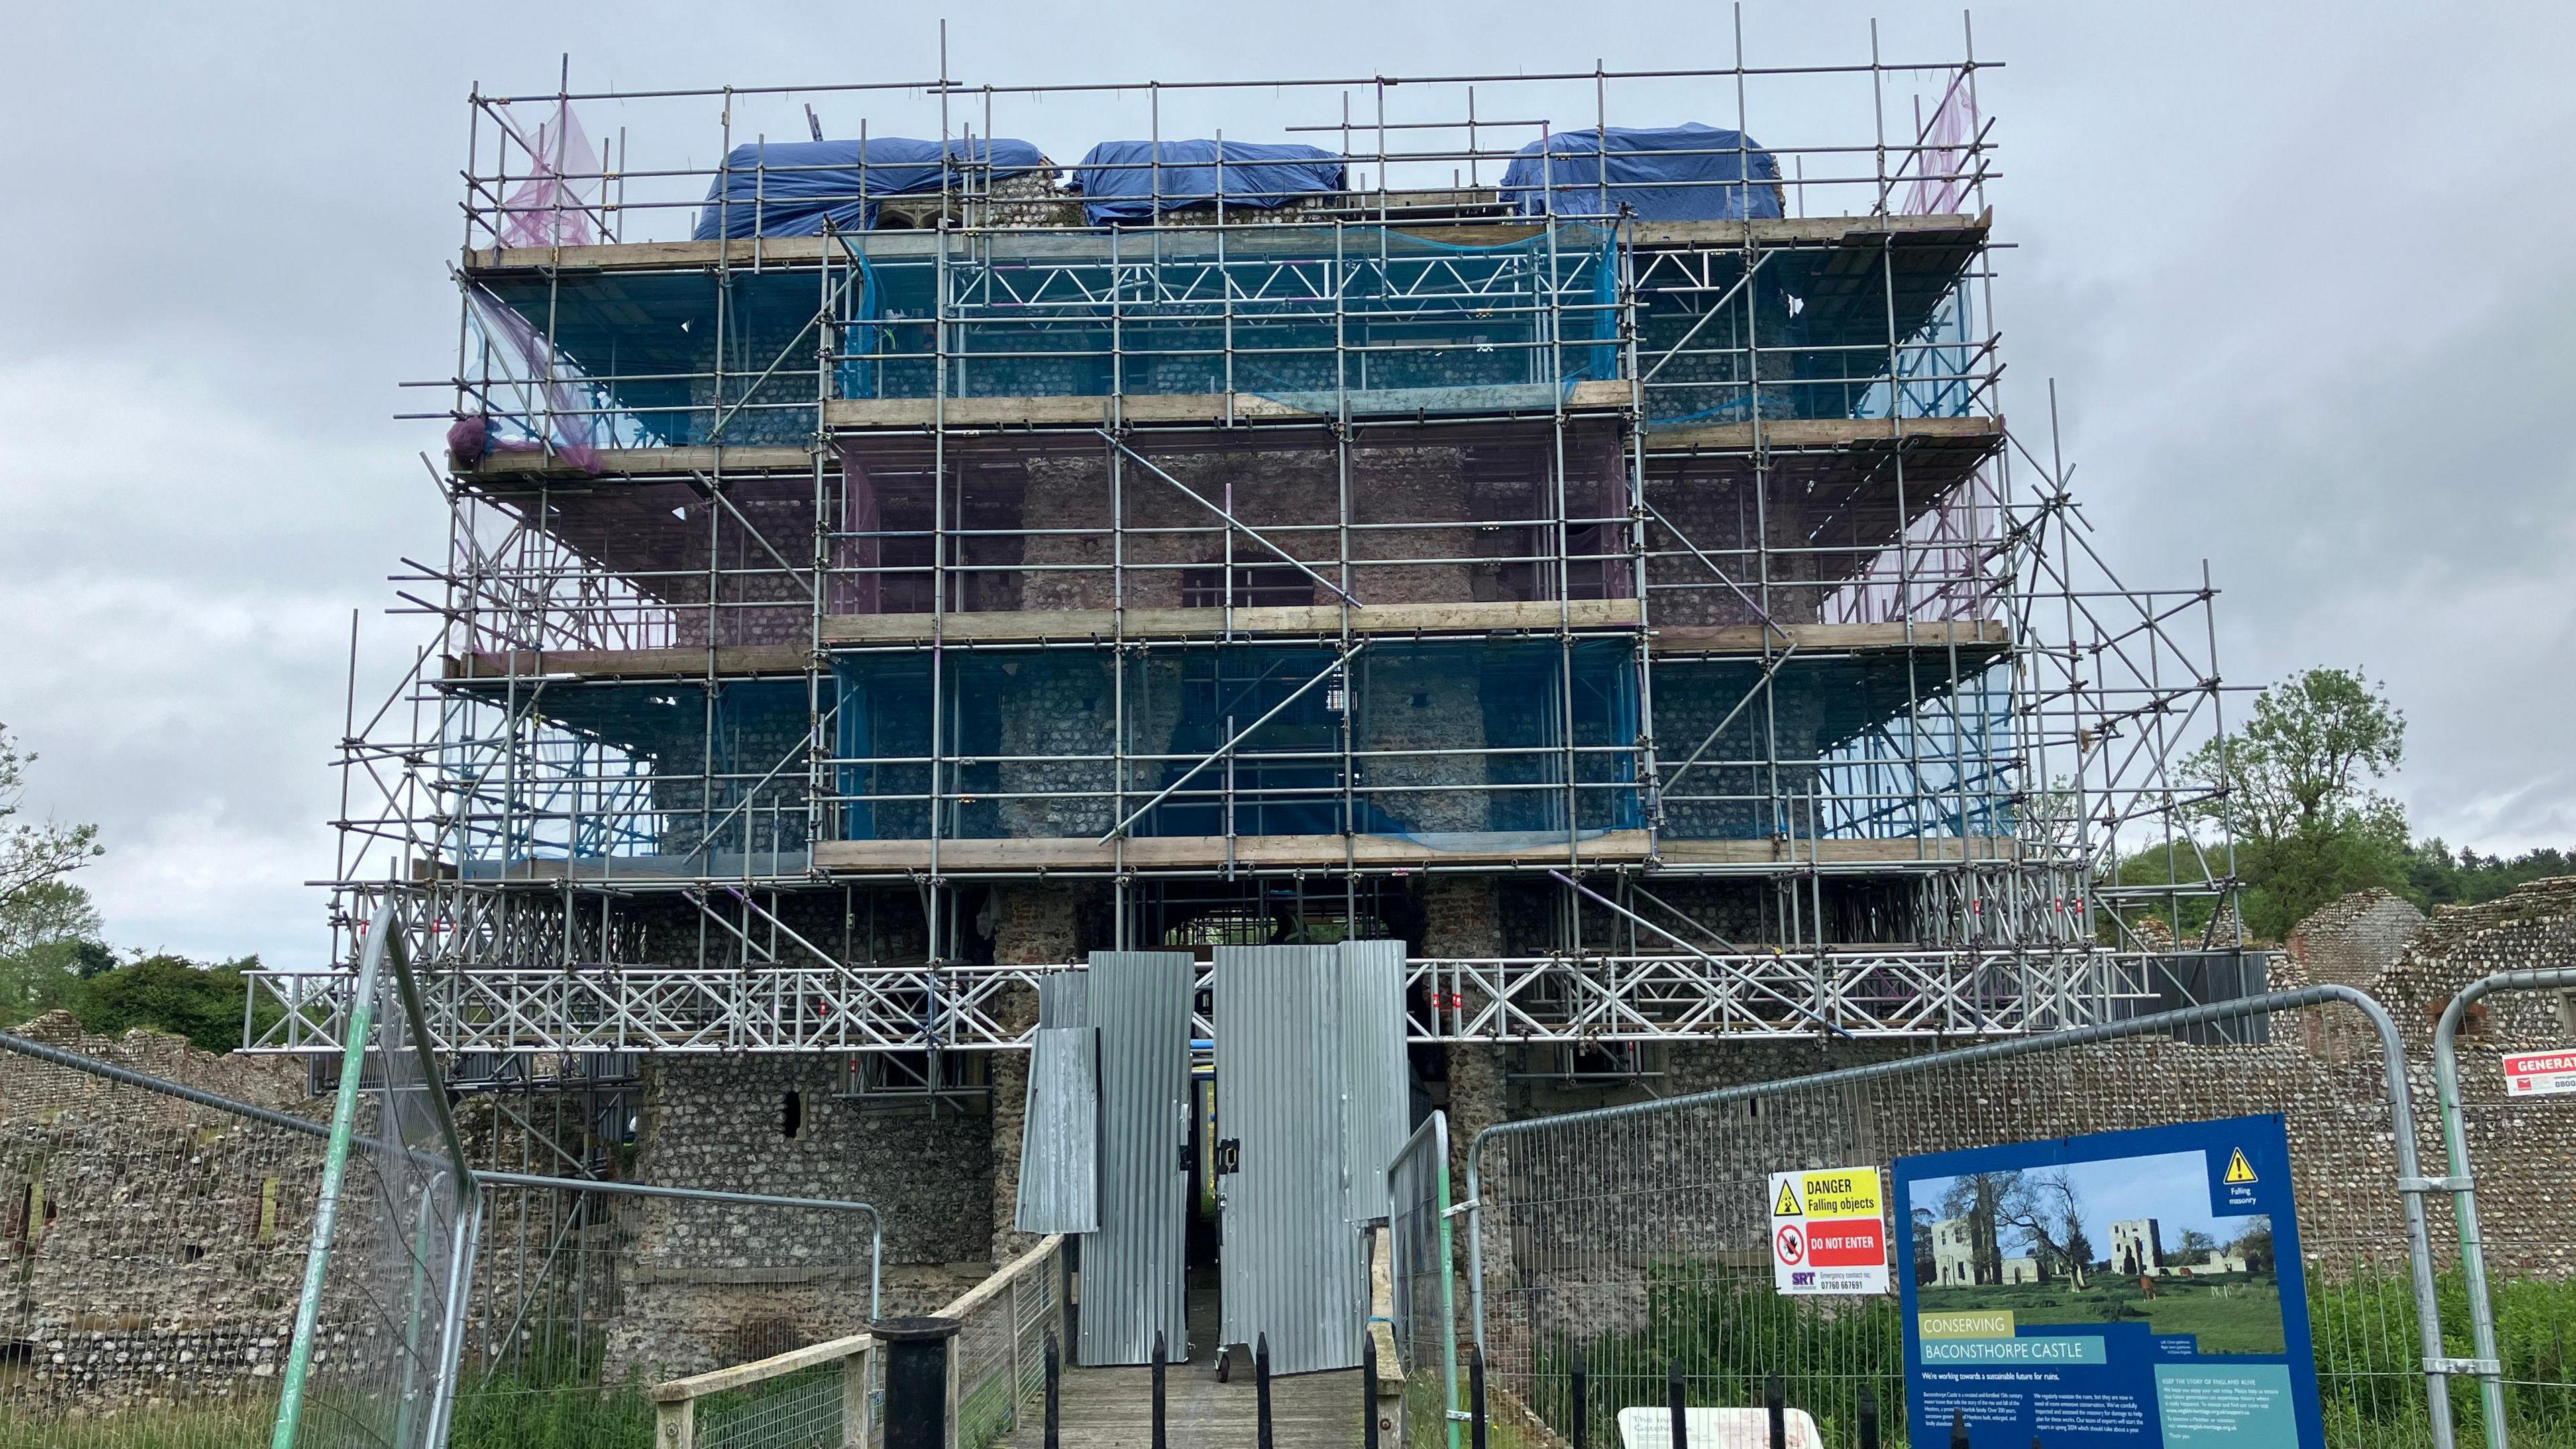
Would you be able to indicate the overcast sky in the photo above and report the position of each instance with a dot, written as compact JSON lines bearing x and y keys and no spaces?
{"x":2300,"y":272}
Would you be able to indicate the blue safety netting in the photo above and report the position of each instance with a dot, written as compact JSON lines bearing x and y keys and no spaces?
{"x":1846,"y":748}
{"x":1136,"y":180}
{"x":792,"y":188}
{"x":1319,"y":318}
{"x":1034,"y":749}
{"x":1316,"y":317}
{"x":633,"y":779}
{"x":1688,"y":172}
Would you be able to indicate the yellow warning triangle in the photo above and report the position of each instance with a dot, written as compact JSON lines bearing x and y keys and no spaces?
{"x":1787,"y":1206}
{"x":2238,"y":1169}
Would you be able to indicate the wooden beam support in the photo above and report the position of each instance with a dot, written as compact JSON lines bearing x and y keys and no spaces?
{"x":808,"y":251}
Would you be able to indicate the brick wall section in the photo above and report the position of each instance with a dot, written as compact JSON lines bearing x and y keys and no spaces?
{"x":1462,"y":920}
{"x":1466,"y":501}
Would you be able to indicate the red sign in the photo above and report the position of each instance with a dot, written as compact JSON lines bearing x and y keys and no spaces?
{"x":1847,"y":1243}
{"x":2540,"y":1074}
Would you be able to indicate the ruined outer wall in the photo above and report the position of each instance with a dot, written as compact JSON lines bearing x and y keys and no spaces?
{"x":2522,"y":1150}
{"x":154,"y":1249}
{"x":2350,"y":941}
{"x":1587,"y":1217}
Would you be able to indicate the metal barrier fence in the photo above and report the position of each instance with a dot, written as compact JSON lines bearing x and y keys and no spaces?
{"x":380,"y":1322}
{"x":186,"y":1268}
{"x":152,"y":1248}
{"x":1423,"y":1310}
{"x":2515,"y":1139}
{"x":158,"y":1232}
{"x":1635,"y":1239}
{"x":590,"y":1293}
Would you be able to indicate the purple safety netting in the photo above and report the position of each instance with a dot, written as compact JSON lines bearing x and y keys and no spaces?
{"x":568,"y":422}
{"x":556,"y":204}
{"x":1938,"y":185}
{"x":1938,"y":571}
{"x":857,"y":586}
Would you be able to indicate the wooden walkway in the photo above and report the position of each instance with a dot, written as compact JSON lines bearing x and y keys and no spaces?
{"x":1112,"y":1408}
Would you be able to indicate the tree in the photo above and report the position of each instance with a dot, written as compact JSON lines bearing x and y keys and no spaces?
{"x":53,"y":910}
{"x":1980,"y":1197}
{"x":37,"y":980}
{"x":169,"y":993}
{"x":2254,"y":1245}
{"x":2292,"y":786}
{"x":48,"y":946}
{"x":2197,"y":1244}
{"x":2436,"y":877}
{"x":33,"y":855}
{"x":2080,"y":1252}
{"x":2047,"y":1210}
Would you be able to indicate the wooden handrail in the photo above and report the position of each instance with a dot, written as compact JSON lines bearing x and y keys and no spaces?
{"x":716,"y":1381}
{"x":1381,"y":1328}
{"x":1009,"y":1273}
{"x":675,"y":1402}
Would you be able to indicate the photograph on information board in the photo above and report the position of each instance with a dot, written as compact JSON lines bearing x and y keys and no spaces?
{"x":2121,"y":1290}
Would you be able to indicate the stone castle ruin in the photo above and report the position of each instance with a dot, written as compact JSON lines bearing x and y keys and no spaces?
{"x":153,"y":1249}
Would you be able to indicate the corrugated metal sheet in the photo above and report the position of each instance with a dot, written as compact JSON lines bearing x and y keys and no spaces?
{"x":1060,"y":1136}
{"x":1064,"y":999}
{"x":1377,"y":1100}
{"x":1292,"y":1262}
{"x":1135,"y":1268}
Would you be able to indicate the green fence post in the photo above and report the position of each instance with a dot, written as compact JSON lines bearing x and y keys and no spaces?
{"x":335,"y":1166}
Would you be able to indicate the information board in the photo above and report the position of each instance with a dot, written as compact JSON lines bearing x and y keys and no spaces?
{"x":2127,"y":1290}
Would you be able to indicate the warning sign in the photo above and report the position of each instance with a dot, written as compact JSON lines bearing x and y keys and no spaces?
{"x":1828,"y":1232}
{"x":2238,"y":1169}
{"x":2540,"y":1074}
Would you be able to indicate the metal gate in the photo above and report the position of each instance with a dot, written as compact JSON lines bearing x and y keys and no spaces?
{"x":1310,"y":1106}
{"x":2508,"y":1138}
{"x":1135,"y":1268}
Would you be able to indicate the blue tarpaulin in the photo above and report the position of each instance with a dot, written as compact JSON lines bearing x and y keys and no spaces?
{"x":1666,"y":173}
{"x":790,"y":188}
{"x":1132,"y":180}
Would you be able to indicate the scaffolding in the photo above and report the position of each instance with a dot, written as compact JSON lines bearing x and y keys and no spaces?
{"x":1250,"y":560}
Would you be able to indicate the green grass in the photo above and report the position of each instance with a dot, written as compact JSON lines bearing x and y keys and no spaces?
{"x":208,"y":1426}
{"x":510,"y":1411}
{"x":2237,"y":1313}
